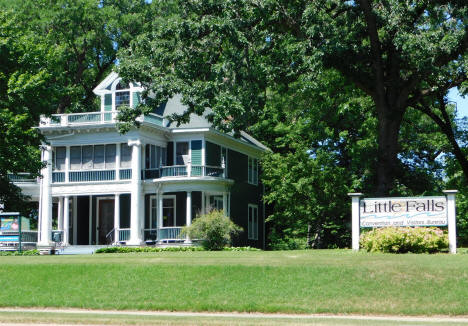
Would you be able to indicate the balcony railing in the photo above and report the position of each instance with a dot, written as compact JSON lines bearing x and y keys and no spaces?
{"x":92,"y":175}
{"x":21,"y":178}
{"x":124,"y":234}
{"x":91,"y":118}
{"x":182,"y":171}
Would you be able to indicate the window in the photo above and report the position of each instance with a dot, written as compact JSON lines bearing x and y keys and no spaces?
{"x":253,"y":222}
{"x":216,"y":202}
{"x":75,"y":157}
{"x":125,"y":156}
{"x":152,"y":156}
{"x":182,"y":150}
{"x":122,"y":97}
{"x":169,"y":212}
{"x":110,"y":156}
{"x":253,"y":171}
{"x":98,"y":162}
{"x":224,"y":158}
{"x":153,"y":216}
{"x":87,"y":157}
{"x":59,"y":160}
{"x":92,"y":157}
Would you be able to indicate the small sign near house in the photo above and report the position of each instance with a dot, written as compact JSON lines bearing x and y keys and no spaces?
{"x":404,"y":212}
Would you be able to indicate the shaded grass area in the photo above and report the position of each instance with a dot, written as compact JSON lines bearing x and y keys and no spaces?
{"x":328,"y":281}
{"x":100,"y":319}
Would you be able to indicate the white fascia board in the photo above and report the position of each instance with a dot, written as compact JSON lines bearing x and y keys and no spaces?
{"x":101,"y":88}
{"x":189,"y":130}
{"x":235,"y":144}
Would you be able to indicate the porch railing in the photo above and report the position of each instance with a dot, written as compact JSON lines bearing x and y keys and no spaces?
{"x":169,"y":234}
{"x":182,"y":171}
{"x":91,"y":175}
{"x":125,"y":174}
{"x":124,"y":235}
{"x":90,"y":118}
{"x":21,"y":178}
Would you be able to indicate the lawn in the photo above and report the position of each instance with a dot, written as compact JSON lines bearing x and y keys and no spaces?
{"x":321,"y":281}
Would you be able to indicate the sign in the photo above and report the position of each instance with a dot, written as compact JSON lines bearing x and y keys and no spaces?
{"x":407,"y":211}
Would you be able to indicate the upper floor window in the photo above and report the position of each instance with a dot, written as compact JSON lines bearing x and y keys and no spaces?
{"x":253,"y":171}
{"x":58,"y":158}
{"x":125,"y":156}
{"x":155,"y":156}
{"x":89,"y":157}
{"x":122,"y":94}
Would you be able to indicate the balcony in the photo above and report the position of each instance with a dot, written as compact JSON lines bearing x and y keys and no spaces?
{"x":184,"y":171}
{"x":93,"y":118}
{"x":91,"y":175}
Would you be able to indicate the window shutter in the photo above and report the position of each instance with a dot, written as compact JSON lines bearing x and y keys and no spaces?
{"x":136,"y":99}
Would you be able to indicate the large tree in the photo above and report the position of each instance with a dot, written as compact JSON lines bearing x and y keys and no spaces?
{"x":52,"y":55}
{"x":227,"y":56}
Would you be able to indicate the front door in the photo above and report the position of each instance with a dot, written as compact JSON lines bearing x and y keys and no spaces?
{"x":106,"y":219}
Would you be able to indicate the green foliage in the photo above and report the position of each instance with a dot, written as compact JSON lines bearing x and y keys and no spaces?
{"x":32,"y":252}
{"x":213,"y":229}
{"x":404,"y":240}
{"x":124,"y":250}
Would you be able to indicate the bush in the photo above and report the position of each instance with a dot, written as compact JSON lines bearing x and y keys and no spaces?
{"x":403,"y":240}
{"x":115,"y":250}
{"x":213,"y":229}
{"x":33,"y":252}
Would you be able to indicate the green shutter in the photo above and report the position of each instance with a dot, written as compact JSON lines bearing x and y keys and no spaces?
{"x":196,"y":157}
{"x":136,"y":99}
{"x":108,"y":102}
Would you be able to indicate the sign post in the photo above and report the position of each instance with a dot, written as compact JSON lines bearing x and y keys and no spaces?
{"x":404,"y":212}
{"x":355,"y":203}
{"x":452,"y":224}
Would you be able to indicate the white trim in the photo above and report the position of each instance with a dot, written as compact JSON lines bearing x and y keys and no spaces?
{"x":151,"y":197}
{"x":175,"y":210}
{"x":75,"y":222}
{"x":90,"y":212}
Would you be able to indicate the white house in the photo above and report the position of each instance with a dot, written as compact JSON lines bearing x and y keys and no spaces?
{"x":102,"y":187}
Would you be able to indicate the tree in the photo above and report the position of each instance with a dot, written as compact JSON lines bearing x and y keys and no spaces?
{"x":52,"y":55}
{"x":228,"y":55}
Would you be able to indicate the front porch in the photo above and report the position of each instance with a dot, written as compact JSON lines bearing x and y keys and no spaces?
{"x":107,"y":219}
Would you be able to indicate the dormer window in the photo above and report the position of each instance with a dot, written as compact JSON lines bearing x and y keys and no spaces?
{"x":122,"y":94}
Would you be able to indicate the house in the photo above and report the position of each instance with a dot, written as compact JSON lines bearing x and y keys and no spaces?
{"x":101,"y":187}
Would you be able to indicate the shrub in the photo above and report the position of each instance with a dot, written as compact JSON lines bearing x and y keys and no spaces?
{"x":213,"y":229}
{"x":33,"y":252}
{"x":114,"y":250}
{"x":403,"y":240}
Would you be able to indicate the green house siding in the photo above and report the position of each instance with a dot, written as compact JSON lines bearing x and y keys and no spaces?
{"x":196,"y":156}
{"x":243,"y":194}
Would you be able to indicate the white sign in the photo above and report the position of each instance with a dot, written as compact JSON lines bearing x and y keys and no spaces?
{"x":407,"y":211}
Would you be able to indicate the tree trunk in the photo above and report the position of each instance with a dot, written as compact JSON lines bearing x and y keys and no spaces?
{"x":387,"y":160}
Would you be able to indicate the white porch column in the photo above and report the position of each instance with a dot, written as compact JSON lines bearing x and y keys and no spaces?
{"x":66,"y":220}
{"x":136,"y":195}
{"x":67,"y":163}
{"x":116,"y":217}
{"x":46,"y":200}
{"x":225,"y":203}
{"x":60,"y":214}
{"x":117,"y":161}
{"x":188,"y":209}
{"x":160,"y":210}
{"x":451,"y":219}
{"x":355,"y":198}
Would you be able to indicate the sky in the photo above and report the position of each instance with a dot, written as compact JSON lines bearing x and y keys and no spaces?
{"x":462,"y":103}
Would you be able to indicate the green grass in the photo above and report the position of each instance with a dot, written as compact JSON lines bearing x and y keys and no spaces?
{"x":326,"y":281}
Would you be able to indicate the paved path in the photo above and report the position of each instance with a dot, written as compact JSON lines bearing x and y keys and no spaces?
{"x":435,"y":319}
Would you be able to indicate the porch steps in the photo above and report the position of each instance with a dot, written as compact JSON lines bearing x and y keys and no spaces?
{"x":77,"y":250}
